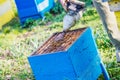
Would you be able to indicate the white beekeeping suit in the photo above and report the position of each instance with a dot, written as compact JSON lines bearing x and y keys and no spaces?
{"x":109,"y":21}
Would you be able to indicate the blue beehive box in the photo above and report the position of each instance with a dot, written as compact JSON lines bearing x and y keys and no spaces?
{"x":32,"y":8}
{"x":71,"y":55}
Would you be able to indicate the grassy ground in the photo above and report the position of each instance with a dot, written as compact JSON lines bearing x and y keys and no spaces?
{"x":16,"y":44}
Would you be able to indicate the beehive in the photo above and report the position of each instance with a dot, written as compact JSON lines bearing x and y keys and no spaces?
{"x":6,"y":12}
{"x":68,"y":55}
{"x":32,"y":9}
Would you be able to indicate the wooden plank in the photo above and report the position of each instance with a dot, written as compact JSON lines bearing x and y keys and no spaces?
{"x":114,"y":5}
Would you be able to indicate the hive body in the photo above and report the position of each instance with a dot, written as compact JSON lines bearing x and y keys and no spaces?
{"x":77,"y":59}
{"x":6,"y":13}
{"x":32,"y":8}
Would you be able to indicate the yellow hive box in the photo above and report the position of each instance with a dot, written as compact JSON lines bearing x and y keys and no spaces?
{"x":6,"y":13}
{"x":2,"y":1}
{"x":117,"y":13}
{"x":115,"y":6}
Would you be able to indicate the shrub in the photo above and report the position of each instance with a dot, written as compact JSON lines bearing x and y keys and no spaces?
{"x":57,"y":8}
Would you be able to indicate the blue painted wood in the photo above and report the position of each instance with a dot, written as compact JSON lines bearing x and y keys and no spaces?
{"x":50,"y":2}
{"x":55,"y":66}
{"x":105,"y":73}
{"x":30,"y":9}
{"x":80,"y":62}
{"x":26,"y":9}
{"x":84,"y":54}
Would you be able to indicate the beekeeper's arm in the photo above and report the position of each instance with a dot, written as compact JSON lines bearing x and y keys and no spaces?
{"x":64,"y":3}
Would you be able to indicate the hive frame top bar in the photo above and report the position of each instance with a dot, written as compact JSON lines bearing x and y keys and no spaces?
{"x":42,"y":50}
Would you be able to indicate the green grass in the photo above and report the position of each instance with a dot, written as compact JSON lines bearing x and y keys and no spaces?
{"x":17,"y":43}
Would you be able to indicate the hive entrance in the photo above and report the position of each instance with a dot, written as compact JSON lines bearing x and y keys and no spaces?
{"x":59,"y":41}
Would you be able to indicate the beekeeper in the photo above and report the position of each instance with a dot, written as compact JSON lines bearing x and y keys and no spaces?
{"x":108,"y":19}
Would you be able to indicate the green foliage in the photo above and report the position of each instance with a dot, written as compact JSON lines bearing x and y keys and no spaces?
{"x":29,"y":23}
{"x":102,"y":38}
{"x":54,"y":18}
{"x":6,"y":30}
{"x":58,"y":9}
{"x":90,"y":12}
{"x":114,"y":72}
{"x":59,"y":18}
{"x":87,"y":2}
{"x":49,"y":16}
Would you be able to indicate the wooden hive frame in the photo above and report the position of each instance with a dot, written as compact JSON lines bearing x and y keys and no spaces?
{"x":59,"y":41}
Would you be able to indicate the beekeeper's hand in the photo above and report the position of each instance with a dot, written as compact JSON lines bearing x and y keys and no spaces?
{"x":64,"y":4}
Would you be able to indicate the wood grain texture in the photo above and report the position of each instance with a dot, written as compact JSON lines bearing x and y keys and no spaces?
{"x":59,"y":41}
